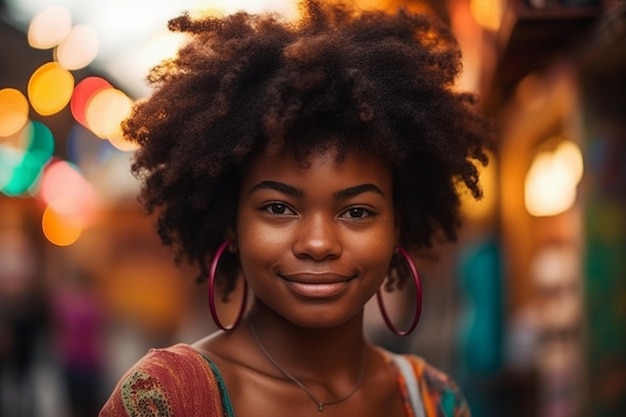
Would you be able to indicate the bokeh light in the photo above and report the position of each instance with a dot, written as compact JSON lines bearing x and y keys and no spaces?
{"x":66,"y":191}
{"x":105,"y":112}
{"x":13,"y":111}
{"x":83,"y":93}
{"x":79,"y":48}
{"x":552,"y":179}
{"x":60,"y":229}
{"x":570,"y":155}
{"x":50,"y":88}
{"x":488,"y":13}
{"x":49,"y":27}
{"x":21,"y":165}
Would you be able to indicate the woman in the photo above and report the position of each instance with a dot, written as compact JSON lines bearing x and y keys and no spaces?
{"x":306,"y":158}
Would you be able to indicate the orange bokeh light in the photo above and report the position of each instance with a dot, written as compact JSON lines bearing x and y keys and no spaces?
{"x":13,"y":111}
{"x":59,"y":229}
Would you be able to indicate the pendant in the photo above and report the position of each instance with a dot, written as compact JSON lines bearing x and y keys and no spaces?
{"x":320,"y":407}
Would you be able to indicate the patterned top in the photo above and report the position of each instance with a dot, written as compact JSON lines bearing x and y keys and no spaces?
{"x":175,"y":382}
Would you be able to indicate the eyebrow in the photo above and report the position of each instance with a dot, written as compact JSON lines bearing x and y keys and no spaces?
{"x":278,"y":186}
{"x":356,"y":190}
{"x":298,"y":193}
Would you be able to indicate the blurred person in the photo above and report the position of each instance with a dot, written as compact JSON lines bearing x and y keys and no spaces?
{"x":78,"y":330}
{"x":299,"y":159}
{"x":23,"y":321}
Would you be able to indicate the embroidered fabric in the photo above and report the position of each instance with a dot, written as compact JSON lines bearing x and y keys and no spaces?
{"x":408,"y":374}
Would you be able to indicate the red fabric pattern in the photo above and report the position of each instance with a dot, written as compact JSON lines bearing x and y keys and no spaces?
{"x":166,"y":382}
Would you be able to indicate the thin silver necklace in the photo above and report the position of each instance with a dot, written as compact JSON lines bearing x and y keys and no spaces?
{"x":320,"y":404}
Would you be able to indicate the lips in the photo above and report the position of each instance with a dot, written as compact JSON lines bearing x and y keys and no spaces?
{"x":317,"y":286}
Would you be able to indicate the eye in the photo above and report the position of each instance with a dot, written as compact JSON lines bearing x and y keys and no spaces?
{"x":357,"y":213}
{"x":278,"y":208}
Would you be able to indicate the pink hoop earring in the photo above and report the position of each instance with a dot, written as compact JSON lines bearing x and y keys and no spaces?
{"x":418,"y":298}
{"x":212,"y":271}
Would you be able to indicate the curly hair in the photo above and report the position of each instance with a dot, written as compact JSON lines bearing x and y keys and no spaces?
{"x":337,"y":76}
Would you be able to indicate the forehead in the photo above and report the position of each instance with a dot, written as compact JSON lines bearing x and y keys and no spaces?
{"x":323,"y":168}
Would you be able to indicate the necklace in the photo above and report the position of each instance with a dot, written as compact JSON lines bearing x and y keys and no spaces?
{"x":320,"y":404}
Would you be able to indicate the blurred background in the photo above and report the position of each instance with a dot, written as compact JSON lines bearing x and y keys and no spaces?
{"x":527,"y":311}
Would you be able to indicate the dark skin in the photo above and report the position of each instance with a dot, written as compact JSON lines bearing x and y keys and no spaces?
{"x":316,"y":146}
{"x":326,"y":367}
{"x":315,"y":243}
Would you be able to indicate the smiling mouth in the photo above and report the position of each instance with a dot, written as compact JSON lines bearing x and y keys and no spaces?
{"x":317,"y":287}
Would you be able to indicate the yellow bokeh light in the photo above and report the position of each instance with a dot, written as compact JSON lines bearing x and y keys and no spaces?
{"x":106,"y":110}
{"x":488,"y":13}
{"x":49,"y":27}
{"x":570,"y":155}
{"x":60,"y":230}
{"x":13,"y":111}
{"x":551,"y":181}
{"x":50,"y":88}
{"x":79,"y":48}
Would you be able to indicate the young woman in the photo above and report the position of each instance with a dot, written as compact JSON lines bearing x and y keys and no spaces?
{"x":307,"y":158}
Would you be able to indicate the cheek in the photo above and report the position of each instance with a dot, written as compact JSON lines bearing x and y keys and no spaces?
{"x":374,"y":255}
{"x":258,"y":247}
{"x":379,"y":264}
{"x":260,"y":244}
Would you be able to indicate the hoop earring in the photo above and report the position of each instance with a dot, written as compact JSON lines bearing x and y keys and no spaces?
{"x":418,"y":298}
{"x":213,"y":309}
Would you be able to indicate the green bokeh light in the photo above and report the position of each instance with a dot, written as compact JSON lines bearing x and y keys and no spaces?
{"x":21,"y":168}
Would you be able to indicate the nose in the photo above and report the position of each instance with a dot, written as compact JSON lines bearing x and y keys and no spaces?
{"x":317,"y":238}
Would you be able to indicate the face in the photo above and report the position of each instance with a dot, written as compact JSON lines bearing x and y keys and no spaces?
{"x":315,"y":241}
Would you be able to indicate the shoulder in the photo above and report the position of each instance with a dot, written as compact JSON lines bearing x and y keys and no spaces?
{"x":440,"y":393}
{"x":165,"y":382}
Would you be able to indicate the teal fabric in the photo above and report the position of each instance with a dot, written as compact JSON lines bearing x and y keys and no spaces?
{"x":228,"y":405}
{"x":448,"y":403}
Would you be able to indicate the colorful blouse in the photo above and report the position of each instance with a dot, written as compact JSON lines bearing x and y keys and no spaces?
{"x":177,"y":381}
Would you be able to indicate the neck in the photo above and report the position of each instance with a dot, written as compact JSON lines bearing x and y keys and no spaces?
{"x":311,"y":351}
{"x":320,"y":371}
{"x":318,"y":401}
